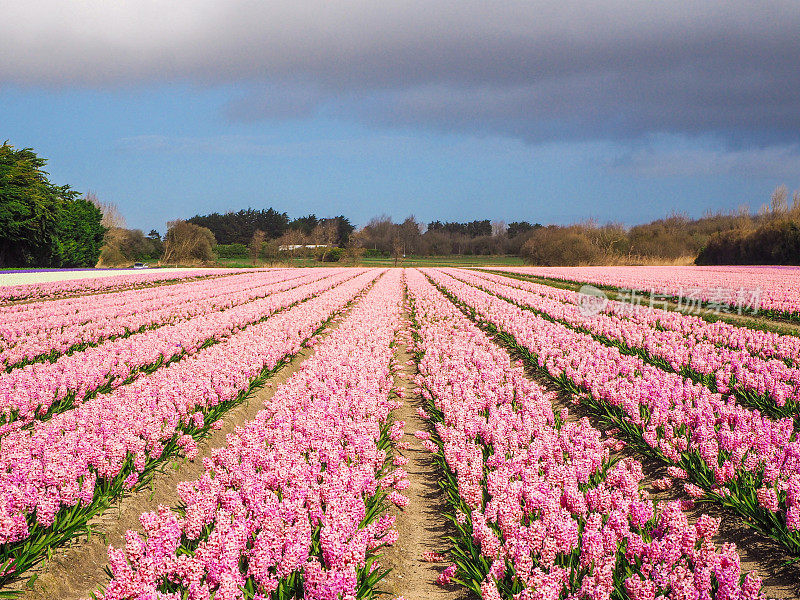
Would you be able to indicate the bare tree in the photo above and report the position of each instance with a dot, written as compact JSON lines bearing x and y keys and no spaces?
{"x":112,"y":217}
{"x":796,"y":204}
{"x":499,"y":228}
{"x":290,"y":241}
{"x":397,"y":248}
{"x":410,"y":232}
{"x":270,"y":251}
{"x":354,"y":249}
{"x":256,"y":244}
{"x":379,"y":232}
{"x":742,"y":216}
{"x":779,"y":201}
{"x":326,"y":233}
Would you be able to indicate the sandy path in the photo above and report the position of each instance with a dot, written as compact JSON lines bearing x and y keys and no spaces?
{"x":75,"y":572}
{"x":421,"y":525}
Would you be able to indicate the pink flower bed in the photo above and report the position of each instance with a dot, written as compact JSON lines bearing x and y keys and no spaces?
{"x":779,"y":286}
{"x":764,"y":344}
{"x":33,"y":390}
{"x":538,"y":498}
{"x":291,"y":506}
{"x":762,"y":382}
{"x":728,"y":450}
{"x":65,"y":468}
{"x":113,"y":283}
{"x":52,"y":328}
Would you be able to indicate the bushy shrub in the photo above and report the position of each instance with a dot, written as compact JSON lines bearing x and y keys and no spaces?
{"x":231,"y":251}
{"x":375,"y":253}
{"x":773,"y":243}
{"x":561,"y":246}
{"x":332,"y":255}
{"x":43,"y":224}
{"x":187,"y":243}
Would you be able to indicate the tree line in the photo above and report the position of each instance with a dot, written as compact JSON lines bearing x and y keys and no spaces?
{"x":382,"y":236}
{"x":769,"y":236}
{"x":239,"y":227}
{"x":46,"y":225}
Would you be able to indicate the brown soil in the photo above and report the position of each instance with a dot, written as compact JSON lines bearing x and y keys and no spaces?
{"x":421,"y":526}
{"x":76,"y":571}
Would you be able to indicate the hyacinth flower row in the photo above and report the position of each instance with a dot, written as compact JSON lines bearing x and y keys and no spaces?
{"x":112,"y":283}
{"x":54,"y":330}
{"x":772,"y":386}
{"x":59,"y":473}
{"x":542,"y":510}
{"x":60,"y":326}
{"x":40,"y":389}
{"x":21,"y":320}
{"x":758,"y":342}
{"x":733,"y":455}
{"x":291,"y":507}
{"x":776,"y":288}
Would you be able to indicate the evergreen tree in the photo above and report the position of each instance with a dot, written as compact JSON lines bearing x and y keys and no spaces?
{"x":42,"y":224}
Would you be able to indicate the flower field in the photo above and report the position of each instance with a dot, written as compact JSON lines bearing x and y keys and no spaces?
{"x":112,"y":283}
{"x":106,"y":383}
{"x":773,"y":289}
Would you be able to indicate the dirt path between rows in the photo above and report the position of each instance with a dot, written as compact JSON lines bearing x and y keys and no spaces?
{"x":76,"y":571}
{"x":421,"y":524}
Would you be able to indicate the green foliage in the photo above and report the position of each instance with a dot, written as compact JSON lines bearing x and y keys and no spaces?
{"x":332,"y":255}
{"x":156,"y":244}
{"x":313,"y":227}
{"x":305,"y":224}
{"x":344,"y":228}
{"x":375,"y":253}
{"x":232,"y":251}
{"x":79,"y":234}
{"x":471,"y":229}
{"x":42,"y":224}
{"x":517,"y":228}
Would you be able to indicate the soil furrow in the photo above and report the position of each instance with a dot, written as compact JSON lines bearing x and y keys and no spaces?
{"x":421,"y":524}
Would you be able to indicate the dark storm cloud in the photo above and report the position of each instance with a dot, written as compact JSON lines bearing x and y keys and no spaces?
{"x":534,"y":70}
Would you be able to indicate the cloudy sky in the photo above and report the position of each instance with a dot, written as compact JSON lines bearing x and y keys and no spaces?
{"x":541,"y":111}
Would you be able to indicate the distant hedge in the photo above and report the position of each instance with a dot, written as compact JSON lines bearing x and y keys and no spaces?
{"x":232,"y":251}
